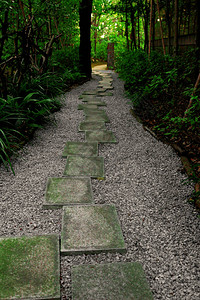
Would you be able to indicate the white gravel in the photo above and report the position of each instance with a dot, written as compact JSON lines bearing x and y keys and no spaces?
{"x":143,"y":180}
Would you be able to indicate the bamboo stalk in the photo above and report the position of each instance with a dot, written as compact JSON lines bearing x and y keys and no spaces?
{"x":150,"y":29}
{"x":161,"y":29}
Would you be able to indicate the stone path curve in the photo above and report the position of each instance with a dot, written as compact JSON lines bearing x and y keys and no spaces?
{"x":34,"y":262}
{"x":137,"y":193}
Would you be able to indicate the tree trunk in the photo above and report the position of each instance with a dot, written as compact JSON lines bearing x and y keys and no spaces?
{"x":138,"y":31}
{"x":133,"y":38}
{"x":150,"y":26}
{"x":85,"y":11}
{"x":198,"y":30}
{"x":126,"y":27}
{"x":168,"y":25}
{"x":176,"y":29}
{"x":153,"y":25}
{"x":146,"y":21}
{"x":161,"y":29}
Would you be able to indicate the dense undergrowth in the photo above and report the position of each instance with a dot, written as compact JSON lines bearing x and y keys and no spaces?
{"x":160,"y":88}
{"x":29,"y":104}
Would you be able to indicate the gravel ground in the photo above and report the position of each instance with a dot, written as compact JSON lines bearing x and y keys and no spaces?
{"x":143,"y":180}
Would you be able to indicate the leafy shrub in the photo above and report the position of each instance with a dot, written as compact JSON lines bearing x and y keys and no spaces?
{"x":18,"y":117}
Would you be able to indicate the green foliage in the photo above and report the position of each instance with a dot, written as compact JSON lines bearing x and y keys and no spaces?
{"x":18,"y":117}
{"x":163,"y":79}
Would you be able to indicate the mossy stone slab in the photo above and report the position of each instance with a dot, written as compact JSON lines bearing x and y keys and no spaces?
{"x":101,"y":136}
{"x":91,"y":92}
{"x":91,"y":229}
{"x":121,"y":281}
{"x":87,"y":97}
{"x":97,"y":118}
{"x":30,"y":267}
{"x":95,"y":112}
{"x":107,"y":87}
{"x":106,"y":80}
{"x":105,"y":94}
{"x":90,"y":106}
{"x":92,"y":126}
{"x":68,"y":191}
{"x":85,"y":166}
{"x":80,"y":148}
{"x":96,"y":101}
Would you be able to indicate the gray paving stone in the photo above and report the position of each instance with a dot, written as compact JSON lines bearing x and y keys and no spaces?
{"x":85,"y":166}
{"x":92,"y":126}
{"x":101,"y":136}
{"x":68,"y":191}
{"x":101,"y":90}
{"x":91,"y":97}
{"x":104,"y":94}
{"x":93,"y":92}
{"x":80,"y":148}
{"x":106,"y":80}
{"x":91,"y":229}
{"x":95,"y":112}
{"x":107,"y":87}
{"x":96,"y":101}
{"x":114,"y":281}
{"x":83,"y":106}
{"x":30,"y":267}
{"x":97,"y":118}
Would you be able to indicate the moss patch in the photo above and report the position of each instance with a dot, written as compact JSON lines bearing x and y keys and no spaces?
{"x":29,"y":268}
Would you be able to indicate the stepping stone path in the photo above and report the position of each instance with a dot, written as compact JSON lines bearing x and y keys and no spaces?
{"x":31,"y":265}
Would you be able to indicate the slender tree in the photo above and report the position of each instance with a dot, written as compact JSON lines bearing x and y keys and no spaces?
{"x":176,"y":27}
{"x":85,"y":11}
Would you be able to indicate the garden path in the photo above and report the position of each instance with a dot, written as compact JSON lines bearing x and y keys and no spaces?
{"x":117,"y":218}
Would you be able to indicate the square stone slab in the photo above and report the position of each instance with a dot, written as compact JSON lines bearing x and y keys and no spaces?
{"x":68,"y":191}
{"x":101,"y":136}
{"x":91,"y":229}
{"x":87,"y":97}
{"x":30,"y":267}
{"x":80,"y":148}
{"x":107,"y":87}
{"x":97,"y":118}
{"x":92,"y":92}
{"x":100,"y":90}
{"x":95,"y":112}
{"x":85,"y":166}
{"x":105,"y":94}
{"x":96,"y":102}
{"x":106,"y":80}
{"x":92,"y":126}
{"x":114,"y":281}
{"x":83,"y":106}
